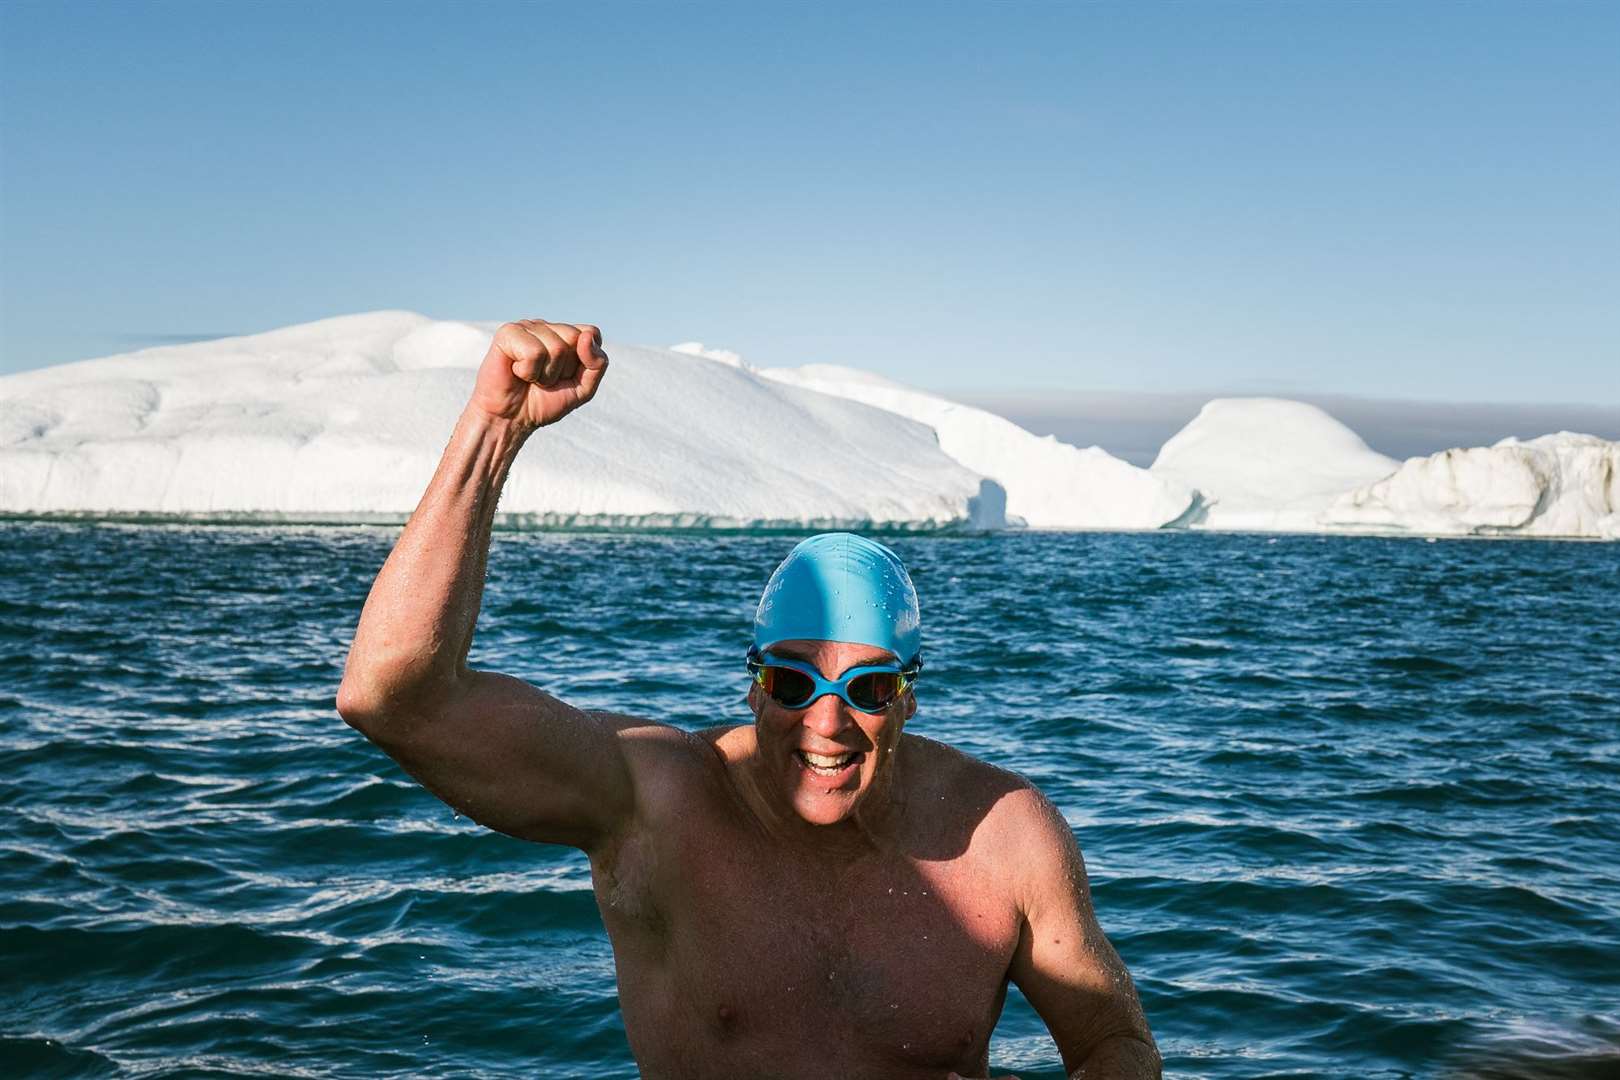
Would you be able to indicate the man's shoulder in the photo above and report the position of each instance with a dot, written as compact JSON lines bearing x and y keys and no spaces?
{"x":998,"y":816}
{"x":658,"y":738}
{"x":948,"y":771}
{"x":665,"y":761}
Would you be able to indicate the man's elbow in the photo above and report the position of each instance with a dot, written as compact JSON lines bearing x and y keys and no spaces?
{"x":373,"y":703}
{"x":358,"y":703}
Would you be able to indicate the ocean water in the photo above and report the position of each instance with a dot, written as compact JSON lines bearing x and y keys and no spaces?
{"x":1351,"y":806}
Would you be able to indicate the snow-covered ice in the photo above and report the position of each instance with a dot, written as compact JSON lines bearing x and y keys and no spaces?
{"x":1049,"y":484}
{"x":345,"y":419}
{"x":1267,"y":464}
{"x":1557,"y":485}
{"x":1271,"y":465}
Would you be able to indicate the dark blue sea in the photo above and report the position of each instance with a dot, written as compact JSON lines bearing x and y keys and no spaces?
{"x":1350,"y":806}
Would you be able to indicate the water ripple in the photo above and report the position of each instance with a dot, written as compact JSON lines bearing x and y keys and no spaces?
{"x":1348,"y":804}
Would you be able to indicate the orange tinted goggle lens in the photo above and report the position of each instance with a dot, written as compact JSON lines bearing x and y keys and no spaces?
{"x":788,"y":687}
{"x":871,"y":692}
{"x":874,"y":690}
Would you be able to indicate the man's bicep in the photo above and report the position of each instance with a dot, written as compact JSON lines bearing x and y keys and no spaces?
{"x":514,"y":758}
{"x":1064,"y":963}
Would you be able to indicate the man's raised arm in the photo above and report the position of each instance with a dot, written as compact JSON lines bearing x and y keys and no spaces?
{"x":501,"y":751}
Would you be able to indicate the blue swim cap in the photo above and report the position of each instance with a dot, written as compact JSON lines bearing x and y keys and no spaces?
{"x":841,"y":587}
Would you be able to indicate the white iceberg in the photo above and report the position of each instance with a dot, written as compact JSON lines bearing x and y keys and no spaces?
{"x":1049,"y":484}
{"x":344,"y":419}
{"x":1266,"y":464}
{"x":1565,"y":485}
{"x":725,"y":356}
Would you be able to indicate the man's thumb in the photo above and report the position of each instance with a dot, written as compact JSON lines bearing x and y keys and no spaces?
{"x":589,"y":347}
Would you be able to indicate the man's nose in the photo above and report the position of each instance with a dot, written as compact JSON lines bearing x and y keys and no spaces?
{"x":826,"y":716}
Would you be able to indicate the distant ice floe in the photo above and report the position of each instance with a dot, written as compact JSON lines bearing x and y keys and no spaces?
{"x":344,"y":420}
{"x":1557,"y":485}
{"x":1270,"y":465}
{"x":1266,"y":464}
{"x":1049,"y":484}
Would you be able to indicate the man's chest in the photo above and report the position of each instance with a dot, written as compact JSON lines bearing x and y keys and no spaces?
{"x":890,"y":956}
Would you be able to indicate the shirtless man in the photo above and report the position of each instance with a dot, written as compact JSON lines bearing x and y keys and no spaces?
{"x":815,"y":894}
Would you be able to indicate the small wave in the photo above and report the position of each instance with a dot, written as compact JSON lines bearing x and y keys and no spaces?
{"x":1524,"y":1049}
{"x":1338,"y":798}
{"x":1420,"y":664}
{"x":43,"y":1057}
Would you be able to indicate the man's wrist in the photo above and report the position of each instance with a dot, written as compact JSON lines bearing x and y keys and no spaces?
{"x":505,"y":430}
{"x":485,"y":445}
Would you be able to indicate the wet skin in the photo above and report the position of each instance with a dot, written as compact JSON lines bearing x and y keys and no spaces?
{"x":755,"y":921}
{"x":779,"y":780}
{"x":767,"y":919}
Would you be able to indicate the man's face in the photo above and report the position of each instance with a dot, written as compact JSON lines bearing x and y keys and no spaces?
{"x":825,"y":758}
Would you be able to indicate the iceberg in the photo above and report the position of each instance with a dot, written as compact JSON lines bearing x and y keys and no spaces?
{"x":1563,"y":485}
{"x":344,"y":419}
{"x":1049,"y":484}
{"x":1266,"y":464}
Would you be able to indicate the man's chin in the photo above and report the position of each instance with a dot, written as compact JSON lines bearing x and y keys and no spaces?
{"x":823,"y":806}
{"x":823,"y":799}
{"x":824,"y":809}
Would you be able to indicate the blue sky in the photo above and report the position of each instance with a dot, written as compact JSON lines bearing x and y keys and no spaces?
{"x":1416,"y":200}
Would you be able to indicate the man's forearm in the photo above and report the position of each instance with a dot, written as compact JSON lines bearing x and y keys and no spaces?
{"x":1122,"y":1057}
{"x":418,"y":621}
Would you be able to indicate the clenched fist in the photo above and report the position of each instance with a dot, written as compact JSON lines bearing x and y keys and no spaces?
{"x":538,"y":372}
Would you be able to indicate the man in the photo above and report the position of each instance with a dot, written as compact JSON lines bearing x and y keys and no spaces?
{"x":815,"y":894}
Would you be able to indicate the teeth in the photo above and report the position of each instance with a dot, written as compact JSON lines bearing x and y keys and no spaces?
{"x":824,"y":761}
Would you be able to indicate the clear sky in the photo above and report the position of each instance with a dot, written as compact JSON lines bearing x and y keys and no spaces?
{"x":1411,"y":200}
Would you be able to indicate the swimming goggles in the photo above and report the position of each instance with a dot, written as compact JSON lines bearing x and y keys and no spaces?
{"x":793,"y":684}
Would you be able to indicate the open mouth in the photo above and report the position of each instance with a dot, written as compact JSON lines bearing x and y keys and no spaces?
{"x":829,"y":765}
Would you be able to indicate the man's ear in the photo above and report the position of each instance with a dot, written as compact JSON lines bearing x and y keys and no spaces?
{"x":911,"y":704}
{"x":756,"y":698}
